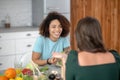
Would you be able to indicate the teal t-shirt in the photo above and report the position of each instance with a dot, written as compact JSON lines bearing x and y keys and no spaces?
{"x":74,"y":71}
{"x":45,"y":46}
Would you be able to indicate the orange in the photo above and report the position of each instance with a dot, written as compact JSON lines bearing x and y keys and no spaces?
{"x":3,"y":78}
{"x":10,"y":73}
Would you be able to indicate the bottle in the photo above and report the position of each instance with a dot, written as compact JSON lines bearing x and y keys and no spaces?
{"x":7,"y":21}
{"x":51,"y":76}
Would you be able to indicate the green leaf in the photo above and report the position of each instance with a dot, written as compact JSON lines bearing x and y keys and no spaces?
{"x":43,"y":69}
{"x":26,"y":77}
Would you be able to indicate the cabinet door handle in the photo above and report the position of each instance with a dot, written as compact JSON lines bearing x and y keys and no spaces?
{"x":0,"y":47}
{"x":28,"y":34}
{"x":0,"y":64}
{"x":0,"y":36}
{"x":29,"y":45}
{"x":52,"y":8}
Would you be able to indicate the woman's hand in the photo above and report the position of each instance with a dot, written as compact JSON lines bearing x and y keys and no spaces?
{"x":57,"y":55}
{"x":52,"y":60}
{"x":61,"y":56}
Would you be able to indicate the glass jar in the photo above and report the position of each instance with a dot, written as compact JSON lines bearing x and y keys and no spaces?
{"x":7,"y":21}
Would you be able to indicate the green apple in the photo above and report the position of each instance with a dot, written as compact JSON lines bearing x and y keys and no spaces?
{"x":29,"y":66}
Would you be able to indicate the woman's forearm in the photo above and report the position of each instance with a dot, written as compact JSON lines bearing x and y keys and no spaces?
{"x":40,"y":62}
{"x":36,"y":59}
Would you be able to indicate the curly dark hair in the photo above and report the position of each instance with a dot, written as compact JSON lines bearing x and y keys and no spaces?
{"x":44,"y":27}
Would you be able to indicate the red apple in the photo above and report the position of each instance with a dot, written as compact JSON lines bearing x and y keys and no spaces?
{"x":26,"y":71}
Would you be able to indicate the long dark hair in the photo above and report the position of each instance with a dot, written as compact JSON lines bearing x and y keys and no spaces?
{"x":44,"y":27}
{"x":89,"y":35}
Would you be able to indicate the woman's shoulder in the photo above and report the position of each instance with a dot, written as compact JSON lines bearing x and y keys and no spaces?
{"x":40,"y":37}
{"x":72,"y":57}
{"x":115,"y":54}
{"x":72,"y":53}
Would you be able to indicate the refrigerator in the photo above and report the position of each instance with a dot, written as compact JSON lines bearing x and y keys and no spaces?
{"x":40,"y":9}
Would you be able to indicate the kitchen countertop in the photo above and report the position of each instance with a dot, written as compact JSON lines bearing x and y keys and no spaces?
{"x":18,"y":29}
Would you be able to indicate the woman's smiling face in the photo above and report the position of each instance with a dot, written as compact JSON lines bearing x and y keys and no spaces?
{"x":55,"y":30}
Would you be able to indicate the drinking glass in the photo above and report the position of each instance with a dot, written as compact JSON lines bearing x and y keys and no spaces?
{"x":17,"y":64}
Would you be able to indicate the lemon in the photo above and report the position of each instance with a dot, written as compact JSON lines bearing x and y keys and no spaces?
{"x":18,"y":78}
{"x":11,"y":79}
{"x":18,"y":70}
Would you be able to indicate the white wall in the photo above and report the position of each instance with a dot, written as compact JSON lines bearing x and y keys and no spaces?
{"x":20,"y":12}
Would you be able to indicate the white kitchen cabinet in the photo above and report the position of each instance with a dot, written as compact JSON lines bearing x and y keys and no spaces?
{"x":7,"y":47}
{"x":7,"y":44}
{"x":7,"y":36}
{"x":6,"y":62}
{"x":24,"y":45}
{"x":25,"y":41}
{"x":26,"y":35}
{"x":15,"y":44}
